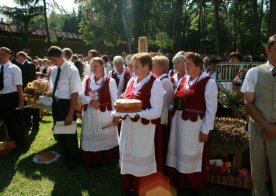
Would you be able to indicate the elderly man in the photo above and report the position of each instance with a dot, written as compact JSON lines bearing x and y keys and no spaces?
{"x":259,"y":92}
{"x":120,"y":74}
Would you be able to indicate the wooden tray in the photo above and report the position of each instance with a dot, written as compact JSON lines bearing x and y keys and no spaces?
{"x":230,"y":180}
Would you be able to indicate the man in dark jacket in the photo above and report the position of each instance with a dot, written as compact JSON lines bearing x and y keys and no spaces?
{"x":28,"y":75}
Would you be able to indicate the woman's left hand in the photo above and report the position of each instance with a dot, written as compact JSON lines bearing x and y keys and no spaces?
{"x":68,"y":120}
{"x":95,"y":104}
{"x":203,"y":137}
{"x":116,"y":119}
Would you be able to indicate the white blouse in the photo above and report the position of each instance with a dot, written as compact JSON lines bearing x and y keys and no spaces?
{"x":168,"y":97}
{"x":95,"y":86}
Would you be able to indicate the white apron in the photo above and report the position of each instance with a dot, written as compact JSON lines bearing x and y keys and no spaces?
{"x":137,"y":151}
{"x":93,"y":137}
{"x":185,"y":150}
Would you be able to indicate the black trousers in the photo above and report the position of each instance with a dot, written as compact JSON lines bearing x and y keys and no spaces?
{"x":28,"y":113}
{"x":12,"y":118}
{"x":68,"y":143}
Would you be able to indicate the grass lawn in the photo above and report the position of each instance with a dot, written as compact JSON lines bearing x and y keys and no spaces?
{"x":20,"y":176}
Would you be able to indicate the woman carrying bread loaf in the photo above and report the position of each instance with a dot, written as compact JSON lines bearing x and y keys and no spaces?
{"x":140,"y":139}
{"x":195,"y":107}
{"x":98,"y":144}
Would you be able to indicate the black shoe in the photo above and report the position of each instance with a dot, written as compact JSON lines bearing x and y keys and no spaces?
{"x":35,"y":128}
{"x":62,"y":163}
{"x":27,"y":124}
{"x":28,"y":127}
{"x":72,"y":166}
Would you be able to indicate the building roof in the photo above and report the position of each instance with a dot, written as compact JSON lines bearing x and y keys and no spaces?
{"x":9,"y":28}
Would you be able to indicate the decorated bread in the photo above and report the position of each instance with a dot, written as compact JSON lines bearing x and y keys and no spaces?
{"x":128,"y":105}
{"x":40,"y":85}
{"x":37,"y":87}
{"x":46,"y":156}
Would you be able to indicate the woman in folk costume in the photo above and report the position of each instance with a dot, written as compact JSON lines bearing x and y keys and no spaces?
{"x":195,"y":108}
{"x":140,"y":139}
{"x":159,"y":70}
{"x":179,"y":68}
{"x":98,"y":145}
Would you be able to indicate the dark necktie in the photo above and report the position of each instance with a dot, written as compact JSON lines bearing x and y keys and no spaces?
{"x":273,"y":71}
{"x":2,"y":77}
{"x":56,"y":82}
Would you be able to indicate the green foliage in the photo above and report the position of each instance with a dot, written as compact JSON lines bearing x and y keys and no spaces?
{"x":161,"y":40}
{"x":115,"y":25}
{"x":232,"y":100}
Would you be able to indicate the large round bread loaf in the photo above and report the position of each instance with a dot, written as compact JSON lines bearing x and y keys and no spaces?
{"x":128,"y":105}
{"x":46,"y":156}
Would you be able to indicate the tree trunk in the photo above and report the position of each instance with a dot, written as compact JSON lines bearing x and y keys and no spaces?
{"x":199,"y":26}
{"x":261,"y":10}
{"x":204,"y":27}
{"x":124,"y":15}
{"x":272,"y":17}
{"x":139,"y":19}
{"x":217,"y":26}
{"x":255,"y":28}
{"x":177,"y":24}
{"x":184,"y":26}
{"x":235,"y":29}
{"x":46,"y":23}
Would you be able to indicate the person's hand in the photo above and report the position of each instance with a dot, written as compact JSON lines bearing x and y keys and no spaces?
{"x":266,"y":136}
{"x":95,"y":104}
{"x":269,"y":133}
{"x":116,"y":119}
{"x":68,"y":120}
{"x":78,"y":106}
{"x":203,"y":137}
{"x":21,"y":105}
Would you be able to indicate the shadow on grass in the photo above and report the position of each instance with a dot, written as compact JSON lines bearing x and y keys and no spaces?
{"x":92,"y":181}
{"x":7,"y":165}
{"x":8,"y":162}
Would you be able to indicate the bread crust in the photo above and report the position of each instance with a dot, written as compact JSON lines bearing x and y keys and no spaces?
{"x":128,"y":105}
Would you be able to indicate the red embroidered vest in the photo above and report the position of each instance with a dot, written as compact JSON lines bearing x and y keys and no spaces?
{"x":173,"y":81}
{"x":144,"y":95}
{"x":103,"y":95}
{"x":194,"y":101}
{"x":115,"y":77}
{"x":127,"y":76}
{"x":171,"y":73}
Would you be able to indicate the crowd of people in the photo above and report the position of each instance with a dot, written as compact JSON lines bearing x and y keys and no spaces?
{"x":169,"y":135}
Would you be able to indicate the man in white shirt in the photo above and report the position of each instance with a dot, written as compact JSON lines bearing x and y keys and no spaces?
{"x":65,"y":85}
{"x":259,"y":93}
{"x":67,"y":54}
{"x":11,"y":97}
